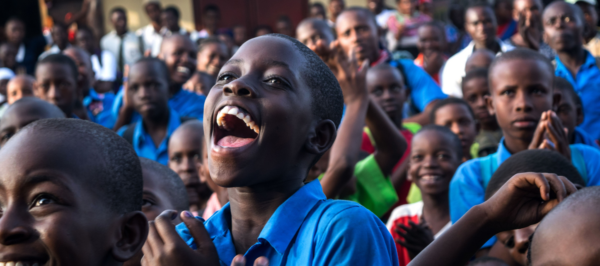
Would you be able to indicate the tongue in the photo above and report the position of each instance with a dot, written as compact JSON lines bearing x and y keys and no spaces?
{"x":232,"y":141}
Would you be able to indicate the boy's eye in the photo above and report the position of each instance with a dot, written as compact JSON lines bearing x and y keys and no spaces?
{"x":147,"y":203}
{"x":508,"y":92}
{"x":274,"y":81}
{"x":416,"y":157}
{"x":43,"y":200}
{"x":226,"y":77}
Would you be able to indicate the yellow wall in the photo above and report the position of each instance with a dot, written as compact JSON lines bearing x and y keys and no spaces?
{"x":137,"y":16}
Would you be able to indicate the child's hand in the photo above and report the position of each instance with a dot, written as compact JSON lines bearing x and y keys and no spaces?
{"x":433,"y":62}
{"x":350,"y":75}
{"x":127,"y":101}
{"x":165,"y":247}
{"x":416,"y":237}
{"x":525,"y":199}
{"x":551,"y":135}
{"x":322,"y":50}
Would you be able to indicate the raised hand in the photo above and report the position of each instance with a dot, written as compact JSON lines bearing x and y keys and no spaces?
{"x":525,"y":199}
{"x":127,"y":101}
{"x":416,"y":237}
{"x":551,"y":135}
{"x":239,"y":260}
{"x":165,"y":247}
{"x":350,"y":75}
{"x":433,"y":62}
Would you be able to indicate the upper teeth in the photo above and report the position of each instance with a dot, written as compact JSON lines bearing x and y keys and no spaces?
{"x":17,"y":263}
{"x":183,"y":69}
{"x":239,"y":113}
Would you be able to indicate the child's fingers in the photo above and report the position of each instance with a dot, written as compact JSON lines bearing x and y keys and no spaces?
{"x":525,"y":181}
{"x":261,"y":261}
{"x":570,"y":187}
{"x":409,"y":246}
{"x":238,"y":260}
{"x":198,"y":232}
{"x":165,"y":227}
{"x":556,"y":185}
{"x":154,"y":241}
{"x":538,"y":136}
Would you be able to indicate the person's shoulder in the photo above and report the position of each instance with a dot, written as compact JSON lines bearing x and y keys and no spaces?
{"x":413,"y":209}
{"x":332,"y":211}
{"x":470,"y":168}
{"x":588,"y":152}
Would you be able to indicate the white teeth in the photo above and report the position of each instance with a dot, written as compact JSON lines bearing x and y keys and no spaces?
{"x":237,"y":112}
{"x":183,"y":69}
{"x":19,"y":264}
{"x":2,"y":264}
{"x":10,"y":263}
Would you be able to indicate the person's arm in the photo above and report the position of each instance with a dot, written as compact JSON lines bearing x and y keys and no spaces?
{"x":390,"y":144}
{"x":126,"y":110}
{"x":346,"y":148}
{"x":423,"y":91}
{"x":422,"y":118}
{"x":524,"y":200}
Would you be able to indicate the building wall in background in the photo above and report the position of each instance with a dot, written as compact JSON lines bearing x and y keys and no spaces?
{"x":137,"y":16}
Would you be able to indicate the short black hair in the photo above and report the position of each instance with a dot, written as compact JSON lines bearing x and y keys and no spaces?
{"x":63,"y":60}
{"x":476,"y":73}
{"x":449,"y":101}
{"x":119,"y":177}
{"x":153,"y":60}
{"x":262,"y":27}
{"x":520,"y":54}
{"x":14,"y":19}
{"x":327,"y":98}
{"x":537,"y":161}
{"x":436,"y":24}
{"x":479,"y":3}
{"x":317,"y":4}
{"x":319,"y":24}
{"x":207,"y":41}
{"x":483,"y":260}
{"x":169,"y":182}
{"x":565,"y":86}
{"x":284,"y":18}
{"x":118,"y":9}
{"x":173,"y":10}
{"x":370,"y":17}
{"x":457,"y":145}
{"x":211,"y":7}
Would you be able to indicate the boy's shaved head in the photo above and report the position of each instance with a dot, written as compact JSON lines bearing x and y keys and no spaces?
{"x":63,"y":60}
{"x":520,"y":54}
{"x":569,"y":234}
{"x":310,"y":30}
{"x":117,"y":173}
{"x":536,"y":161}
{"x":169,"y":181}
{"x":327,"y":98}
{"x":481,"y":58}
{"x":34,"y":105}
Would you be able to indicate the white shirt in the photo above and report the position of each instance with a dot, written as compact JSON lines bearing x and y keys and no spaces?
{"x":21,"y":53}
{"x":105,"y":68}
{"x":132,"y":46}
{"x":454,"y":69}
{"x":53,"y":50}
{"x":164,"y":32}
{"x":383,"y":17}
{"x":411,"y":210}
{"x":149,"y":36}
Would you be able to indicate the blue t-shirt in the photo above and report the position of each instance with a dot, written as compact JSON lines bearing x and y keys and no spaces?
{"x":187,"y":104}
{"x":99,"y":108}
{"x":467,"y":187}
{"x":423,"y":88}
{"x":308,"y":229}
{"x":587,"y":86}
{"x":581,"y":137}
{"x":144,"y":145}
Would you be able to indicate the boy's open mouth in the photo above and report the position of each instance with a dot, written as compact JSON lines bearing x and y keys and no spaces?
{"x":234,"y":127}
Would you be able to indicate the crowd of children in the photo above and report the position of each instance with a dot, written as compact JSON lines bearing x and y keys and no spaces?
{"x":324,"y":149}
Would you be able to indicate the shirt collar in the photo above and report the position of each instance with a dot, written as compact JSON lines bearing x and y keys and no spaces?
{"x":281,"y":227}
{"x":383,"y":57}
{"x":174,"y":123}
{"x":590,"y":61}
{"x":502,"y":153}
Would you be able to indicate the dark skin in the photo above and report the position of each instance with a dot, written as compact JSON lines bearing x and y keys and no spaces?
{"x":344,"y":155}
{"x":85,"y":39}
{"x":169,"y":21}
{"x":591,"y":19}
{"x":503,"y":11}
{"x":480,"y":23}
{"x":149,"y":96}
{"x":459,"y":120}
{"x":432,"y":164}
{"x":212,"y":58}
{"x":153,"y":12}
{"x":119,"y":21}
{"x":210,"y":21}
{"x":475,"y":92}
{"x":24,"y":113}
{"x":60,"y":36}
{"x":19,"y":87}
{"x":563,"y":31}
{"x":431,"y":44}
{"x":528,"y":14}
{"x":200,"y":83}
{"x":221,"y":192}
{"x":179,"y":54}
{"x":86,"y":76}
{"x":8,"y":56}
{"x":521,"y":95}
{"x":481,"y":58}
{"x":356,"y":32}
{"x":516,"y":242}
{"x":185,"y":151}
{"x":309,"y":32}
{"x":14,"y":31}
{"x":317,"y":11}
{"x":256,"y":187}
{"x":569,"y":113}
{"x":51,"y":209}
{"x":335,"y":7}
{"x":57,"y":84}
{"x":376,"y":6}
{"x":524,"y":200}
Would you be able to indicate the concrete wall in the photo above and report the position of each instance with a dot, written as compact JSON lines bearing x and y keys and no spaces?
{"x":137,"y":16}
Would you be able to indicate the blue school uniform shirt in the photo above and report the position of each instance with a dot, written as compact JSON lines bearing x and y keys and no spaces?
{"x":423,"y":88}
{"x":467,"y":187}
{"x":308,"y":229}
{"x":581,"y":137}
{"x":99,"y":108}
{"x":187,"y":104}
{"x":144,"y":145}
{"x":587,"y":86}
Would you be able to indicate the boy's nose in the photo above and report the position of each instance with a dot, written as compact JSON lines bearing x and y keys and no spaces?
{"x":239,"y":87}
{"x":522,"y":239}
{"x":13,"y":228}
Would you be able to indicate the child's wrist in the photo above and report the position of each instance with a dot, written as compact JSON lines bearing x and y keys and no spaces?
{"x":484,"y":222}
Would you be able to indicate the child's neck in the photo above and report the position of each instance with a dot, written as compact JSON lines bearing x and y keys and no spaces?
{"x":436,"y":210}
{"x":492,"y":126}
{"x":251,"y":209}
{"x":157,"y":127}
{"x":514,"y":145}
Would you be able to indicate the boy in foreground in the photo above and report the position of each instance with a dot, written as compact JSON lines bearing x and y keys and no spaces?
{"x":290,"y":105}
{"x":71,"y":195}
{"x":23,"y":112}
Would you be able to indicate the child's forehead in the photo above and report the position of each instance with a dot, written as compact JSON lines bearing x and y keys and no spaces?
{"x":269,"y":50}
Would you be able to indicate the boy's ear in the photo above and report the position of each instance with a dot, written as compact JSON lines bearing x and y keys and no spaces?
{"x":321,"y":137}
{"x":579,"y":112}
{"x":490,"y":104}
{"x":133,"y":231}
{"x":556,"y":96}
